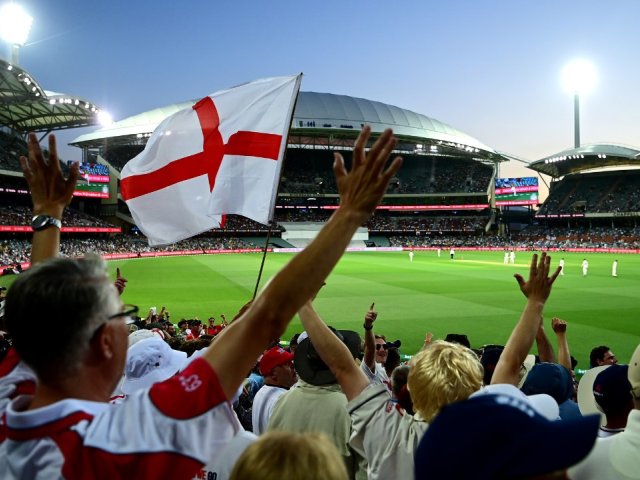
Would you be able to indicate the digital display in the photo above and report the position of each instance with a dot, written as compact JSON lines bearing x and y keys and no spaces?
{"x":91,"y":190}
{"x":516,"y":191}
{"x":93,"y":172}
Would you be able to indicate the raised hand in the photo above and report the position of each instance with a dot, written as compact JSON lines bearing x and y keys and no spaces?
{"x":50,"y":191}
{"x":538,"y":286}
{"x":370,"y":316}
{"x":558,"y":325}
{"x":121,"y":282}
{"x":362,"y":188}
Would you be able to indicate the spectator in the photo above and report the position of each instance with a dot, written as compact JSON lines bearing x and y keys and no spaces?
{"x":317,"y":403}
{"x":276,"y":366}
{"x":501,"y":436}
{"x":616,"y":457}
{"x":275,"y":455}
{"x":602,"y":355}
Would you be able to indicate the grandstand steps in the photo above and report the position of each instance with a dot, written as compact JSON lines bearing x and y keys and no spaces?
{"x":300,"y":234}
{"x":273,"y":242}
{"x":569,"y":195}
{"x":609,"y":191}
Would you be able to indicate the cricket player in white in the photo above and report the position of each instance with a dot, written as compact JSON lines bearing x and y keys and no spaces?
{"x":585,"y":267}
{"x":614,"y":268}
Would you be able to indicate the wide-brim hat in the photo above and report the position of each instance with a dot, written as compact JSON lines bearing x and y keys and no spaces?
{"x":310,"y":366}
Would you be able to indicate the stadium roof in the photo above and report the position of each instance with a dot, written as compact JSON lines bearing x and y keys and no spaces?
{"x":587,"y":157}
{"x":315,"y":114}
{"x":27,"y":107}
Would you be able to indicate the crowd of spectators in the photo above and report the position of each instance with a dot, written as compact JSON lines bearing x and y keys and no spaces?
{"x":532,"y":238}
{"x":428,"y":224}
{"x":17,"y":215}
{"x":595,"y":193}
{"x":468,"y":233}
{"x":13,"y":251}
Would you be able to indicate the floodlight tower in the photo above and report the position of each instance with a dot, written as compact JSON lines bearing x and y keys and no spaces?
{"x":15,"y":25}
{"x":579,"y":78}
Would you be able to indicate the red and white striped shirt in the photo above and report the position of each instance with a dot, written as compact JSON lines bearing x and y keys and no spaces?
{"x":168,"y":431}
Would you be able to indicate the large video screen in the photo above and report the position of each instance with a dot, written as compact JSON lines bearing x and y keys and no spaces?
{"x":94,"y":172}
{"x":91,"y":190}
{"x":516,"y":191}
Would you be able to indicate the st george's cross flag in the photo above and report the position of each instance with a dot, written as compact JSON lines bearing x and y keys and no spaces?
{"x":221,"y":156}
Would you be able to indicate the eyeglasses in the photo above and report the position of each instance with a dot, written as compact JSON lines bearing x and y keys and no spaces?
{"x":127,"y":311}
{"x":381,"y":345}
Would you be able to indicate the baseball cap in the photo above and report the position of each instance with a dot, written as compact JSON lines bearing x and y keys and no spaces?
{"x":150,"y":361}
{"x":544,"y":404}
{"x":500,"y":436}
{"x":272,"y":358}
{"x":611,"y":388}
{"x":550,"y":378}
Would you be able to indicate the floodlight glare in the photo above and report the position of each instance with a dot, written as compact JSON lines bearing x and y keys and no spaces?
{"x":104,"y":118}
{"x":579,"y":77}
{"x":15,"y":24}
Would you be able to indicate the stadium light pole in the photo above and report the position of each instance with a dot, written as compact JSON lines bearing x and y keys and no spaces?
{"x":15,"y":24}
{"x":579,"y":77}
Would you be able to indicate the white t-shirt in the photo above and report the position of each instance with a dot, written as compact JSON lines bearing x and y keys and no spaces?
{"x":263,"y":404}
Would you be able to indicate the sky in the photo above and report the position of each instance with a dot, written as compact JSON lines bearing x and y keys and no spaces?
{"x":491,"y":69}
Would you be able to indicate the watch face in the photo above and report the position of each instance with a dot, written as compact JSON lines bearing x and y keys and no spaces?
{"x":42,"y":221}
{"x":39,"y":221}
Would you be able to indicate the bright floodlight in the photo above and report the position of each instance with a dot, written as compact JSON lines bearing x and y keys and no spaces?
{"x":104,"y":118}
{"x":15,"y":24}
{"x":579,"y":76}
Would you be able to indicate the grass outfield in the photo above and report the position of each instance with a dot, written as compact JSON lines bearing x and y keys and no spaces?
{"x":474,"y":294}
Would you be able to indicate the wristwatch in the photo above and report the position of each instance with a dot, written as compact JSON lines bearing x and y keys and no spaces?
{"x":40,"y":222}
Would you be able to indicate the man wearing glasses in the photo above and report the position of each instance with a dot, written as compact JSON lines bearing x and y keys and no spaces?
{"x":66,"y":429}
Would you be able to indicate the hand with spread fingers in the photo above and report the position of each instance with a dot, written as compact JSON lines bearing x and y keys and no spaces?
{"x":362,"y":188}
{"x":538,"y":286}
{"x":50,"y":191}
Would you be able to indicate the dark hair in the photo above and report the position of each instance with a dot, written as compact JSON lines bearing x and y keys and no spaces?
{"x":63,"y":301}
{"x":597,"y":353}
{"x":460,"y":338}
{"x":393,"y":360}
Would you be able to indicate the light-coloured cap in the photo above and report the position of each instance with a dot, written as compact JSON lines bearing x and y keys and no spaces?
{"x":542,"y":403}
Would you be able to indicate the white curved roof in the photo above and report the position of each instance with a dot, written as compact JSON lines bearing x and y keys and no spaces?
{"x":328,"y":111}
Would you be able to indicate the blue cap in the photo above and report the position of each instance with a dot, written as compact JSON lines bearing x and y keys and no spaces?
{"x":500,"y":436}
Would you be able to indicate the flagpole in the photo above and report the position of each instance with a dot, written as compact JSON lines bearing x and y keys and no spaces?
{"x":264,"y":257}
{"x":284,"y":158}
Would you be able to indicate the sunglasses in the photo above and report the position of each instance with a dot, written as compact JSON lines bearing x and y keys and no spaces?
{"x":381,"y":345}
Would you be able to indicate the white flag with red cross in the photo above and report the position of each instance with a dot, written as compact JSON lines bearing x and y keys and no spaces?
{"x":221,"y":156}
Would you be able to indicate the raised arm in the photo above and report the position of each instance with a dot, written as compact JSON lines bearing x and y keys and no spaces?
{"x":537,"y":289}
{"x":333,"y":352}
{"x":564,"y":355}
{"x":266,"y":319}
{"x":50,"y":194}
{"x":370,"y":339}
{"x":545,"y":349}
